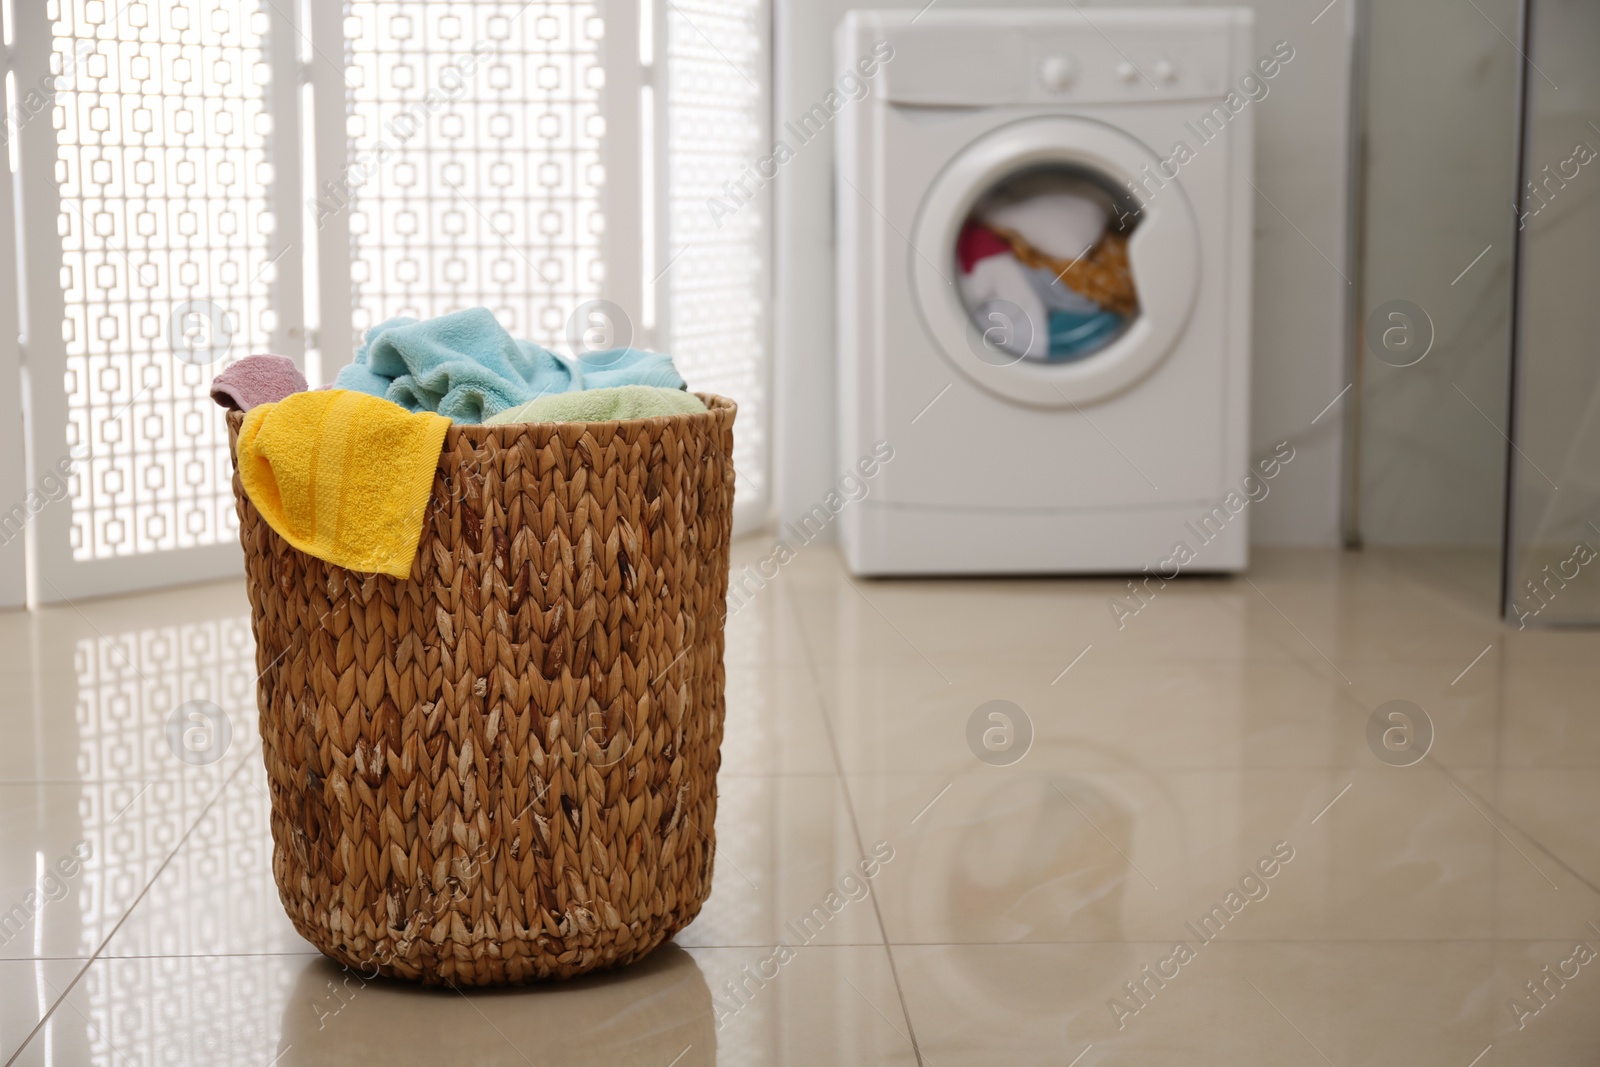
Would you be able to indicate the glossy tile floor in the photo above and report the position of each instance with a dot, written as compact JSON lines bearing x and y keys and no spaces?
{"x":1201,"y":777}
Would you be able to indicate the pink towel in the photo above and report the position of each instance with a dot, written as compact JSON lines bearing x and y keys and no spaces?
{"x":256,"y":380}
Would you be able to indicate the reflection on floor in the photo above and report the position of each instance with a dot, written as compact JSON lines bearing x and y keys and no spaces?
{"x":1178,"y":842}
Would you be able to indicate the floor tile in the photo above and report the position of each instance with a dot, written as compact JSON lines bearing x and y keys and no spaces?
{"x":1012,"y":855}
{"x":774,"y":722}
{"x":1366,"y":1003}
{"x":1463,"y":707}
{"x":787,"y":867}
{"x":1555,"y":808}
{"x":1363,"y":610}
{"x":217,"y":895}
{"x":677,"y":1006}
{"x":30,"y":988}
{"x":945,"y":625}
{"x":1100,"y":714}
{"x":1469,"y":577}
{"x":760,"y":625}
{"x":133,"y":687}
{"x":74,"y":857}
{"x":1549,"y":710}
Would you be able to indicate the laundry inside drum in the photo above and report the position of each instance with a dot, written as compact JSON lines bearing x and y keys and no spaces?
{"x":1042,"y":266}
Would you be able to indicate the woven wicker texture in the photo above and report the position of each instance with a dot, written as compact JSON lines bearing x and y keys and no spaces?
{"x":503,"y":767}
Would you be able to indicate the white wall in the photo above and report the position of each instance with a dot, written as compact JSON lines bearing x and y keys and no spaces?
{"x":1299,"y":349}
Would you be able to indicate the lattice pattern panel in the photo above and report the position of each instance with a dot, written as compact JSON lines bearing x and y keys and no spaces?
{"x":162,"y":167}
{"x":717,"y":287}
{"x":474,"y":169}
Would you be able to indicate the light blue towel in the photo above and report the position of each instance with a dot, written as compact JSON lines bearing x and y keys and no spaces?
{"x":467,"y":367}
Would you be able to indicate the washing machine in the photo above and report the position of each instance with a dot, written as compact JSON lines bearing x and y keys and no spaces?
{"x":1025,"y":438}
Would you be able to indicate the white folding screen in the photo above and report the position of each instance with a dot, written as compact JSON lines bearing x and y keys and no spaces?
{"x":473,"y":158}
{"x":152,"y":256}
{"x":552,"y":161}
{"x":16,"y":507}
{"x":716,"y":278}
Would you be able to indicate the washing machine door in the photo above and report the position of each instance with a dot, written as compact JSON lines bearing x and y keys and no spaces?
{"x":1163,"y":255}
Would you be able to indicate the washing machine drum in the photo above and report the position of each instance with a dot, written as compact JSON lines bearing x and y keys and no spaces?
{"x":1040,"y":270}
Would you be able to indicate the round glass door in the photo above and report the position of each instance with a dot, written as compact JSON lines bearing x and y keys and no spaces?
{"x":1042,"y":266}
{"x":1054,"y":283}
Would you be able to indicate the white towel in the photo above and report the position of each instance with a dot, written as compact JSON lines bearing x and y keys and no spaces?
{"x":1004,"y":278}
{"x":1063,"y":225}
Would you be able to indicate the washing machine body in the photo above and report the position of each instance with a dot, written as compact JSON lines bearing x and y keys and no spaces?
{"x":1004,"y":464}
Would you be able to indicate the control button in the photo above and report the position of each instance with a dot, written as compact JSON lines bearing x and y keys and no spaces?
{"x":1166,"y":72}
{"x":1058,"y":72}
{"x":1127,"y":72}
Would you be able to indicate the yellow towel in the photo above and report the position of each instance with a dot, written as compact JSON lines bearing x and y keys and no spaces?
{"x":343,"y":476}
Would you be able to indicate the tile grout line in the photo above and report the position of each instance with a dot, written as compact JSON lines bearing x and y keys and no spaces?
{"x":1450,"y":774}
{"x":1503,"y":817}
{"x":95,"y":956}
{"x":855,"y":822}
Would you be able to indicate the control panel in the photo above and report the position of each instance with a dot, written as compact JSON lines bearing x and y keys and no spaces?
{"x":1070,"y":58}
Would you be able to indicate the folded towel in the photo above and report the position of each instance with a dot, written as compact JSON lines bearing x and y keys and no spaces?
{"x":257,"y":380}
{"x":343,"y":476}
{"x":602,"y":405}
{"x":468,"y":368}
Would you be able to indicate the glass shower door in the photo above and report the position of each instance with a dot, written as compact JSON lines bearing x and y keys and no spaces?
{"x":1552,"y":540}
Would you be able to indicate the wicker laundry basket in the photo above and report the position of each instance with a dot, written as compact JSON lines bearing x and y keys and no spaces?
{"x":503,"y":767}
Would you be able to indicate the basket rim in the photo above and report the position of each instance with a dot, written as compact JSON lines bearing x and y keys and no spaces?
{"x":718,"y":408}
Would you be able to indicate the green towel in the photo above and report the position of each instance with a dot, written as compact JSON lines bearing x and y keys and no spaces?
{"x":602,"y":405}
